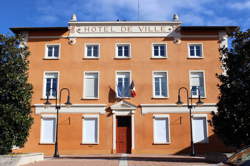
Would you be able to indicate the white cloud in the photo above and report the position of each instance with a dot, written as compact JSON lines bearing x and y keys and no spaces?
{"x":240,"y":5}
{"x":107,"y":9}
{"x":192,"y":12}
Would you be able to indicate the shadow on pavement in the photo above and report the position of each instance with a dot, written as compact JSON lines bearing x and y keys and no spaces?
{"x":187,"y":159}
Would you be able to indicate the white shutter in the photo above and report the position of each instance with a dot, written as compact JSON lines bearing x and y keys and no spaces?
{"x":161,"y":130}
{"x":91,"y":85}
{"x":199,"y":129}
{"x":195,"y":79}
{"x":48,"y":130}
{"x":51,"y":75}
{"x":90,"y":130}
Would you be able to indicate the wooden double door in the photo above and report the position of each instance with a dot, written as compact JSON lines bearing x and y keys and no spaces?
{"x":123,"y":134}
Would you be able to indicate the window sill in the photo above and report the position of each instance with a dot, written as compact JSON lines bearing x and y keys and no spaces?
{"x":158,"y":57}
{"x":195,"y":57}
{"x":89,"y":143}
{"x":89,"y":58}
{"x":83,"y":98}
{"x":160,"y":97}
{"x":46,"y":143}
{"x":166,"y":143}
{"x":196,"y":97}
{"x":122,"y":58}
{"x":51,"y":58}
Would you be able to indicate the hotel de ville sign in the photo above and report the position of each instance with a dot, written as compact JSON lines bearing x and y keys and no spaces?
{"x":123,"y":29}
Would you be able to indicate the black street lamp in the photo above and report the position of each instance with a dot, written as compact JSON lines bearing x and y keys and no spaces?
{"x":58,"y":107}
{"x":190,"y":106}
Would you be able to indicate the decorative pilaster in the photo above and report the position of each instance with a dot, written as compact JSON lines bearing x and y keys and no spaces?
{"x":133,"y":131}
{"x":114,"y":132}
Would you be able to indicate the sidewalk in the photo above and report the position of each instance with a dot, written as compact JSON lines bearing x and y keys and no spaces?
{"x":125,"y":160}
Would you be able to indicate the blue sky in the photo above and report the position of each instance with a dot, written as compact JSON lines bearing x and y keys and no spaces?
{"x":43,"y":13}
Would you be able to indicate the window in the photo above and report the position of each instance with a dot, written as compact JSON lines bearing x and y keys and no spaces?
{"x":50,"y":84}
{"x":90,"y":129}
{"x":48,"y":130}
{"x":195,"y":51}
{"x":161,"y":129}
{"x":52,"y":51}
{"x":123,"y":84}
{"x":197,"y":83}
{"x":160,"y":84}
{"x":122,"y":50}
{"x":91,"y":85}
{"x":159,"y":51}
{"x":199,"y":129}
{"x":92,"y":51}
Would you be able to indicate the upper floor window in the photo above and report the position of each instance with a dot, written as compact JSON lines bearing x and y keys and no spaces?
{"x":50,"y":84}
{"x":52,"y":51}
{"x":91,"y":85}
{"x":123,"y":51}
{"x":123,"y":84}
{"x":159,"y":51}
{"x":160,"y":84}
{"x":195,"y":51}
{"x":92,"y":51}
{"x":197,"y":83}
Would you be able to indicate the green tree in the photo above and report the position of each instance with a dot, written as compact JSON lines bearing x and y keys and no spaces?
{"x":232,"y":121}
{"x":15,"y":93}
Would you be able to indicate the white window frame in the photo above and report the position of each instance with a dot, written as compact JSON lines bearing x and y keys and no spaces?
{"x":84,"y":84}
{"x":47,"y":116}
{"x":86,"y":50}
{"x":44,"y":83}
{"x":46,"y":51}
{"x":190,"y":86}
{"x":195,"y":57}
{"x":161,"y":116}
{"x":116,"y":81}
{"x":160,"y":57}
{"x":153,"y":84}
{"x":202,"y":116}
{"x":123,"y":44}
{"x":96,"y":116}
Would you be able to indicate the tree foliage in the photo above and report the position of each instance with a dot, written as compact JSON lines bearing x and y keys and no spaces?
{"x":232,"y":122}
{"x":15,"y":93}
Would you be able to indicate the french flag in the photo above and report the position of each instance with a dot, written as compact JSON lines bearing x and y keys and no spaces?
{"x":132,"y":89}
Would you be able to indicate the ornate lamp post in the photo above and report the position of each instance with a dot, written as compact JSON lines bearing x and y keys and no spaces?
{"x":189,"y":106}
{"x":58,"y":107}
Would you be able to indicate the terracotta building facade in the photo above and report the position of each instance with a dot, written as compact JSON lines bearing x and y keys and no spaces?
{"x":123,"y":79}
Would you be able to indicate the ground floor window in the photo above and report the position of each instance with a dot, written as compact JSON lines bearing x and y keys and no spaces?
{"x":199,"y":124}
{"x":90,"y":129}
{"x":48,"y":129}
{"x":161,"y":129}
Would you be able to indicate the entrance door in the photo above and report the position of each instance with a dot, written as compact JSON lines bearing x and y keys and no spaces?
{"x":123,"y":134}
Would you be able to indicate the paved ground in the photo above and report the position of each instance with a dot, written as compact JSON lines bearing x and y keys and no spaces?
{"x":125,"y":160}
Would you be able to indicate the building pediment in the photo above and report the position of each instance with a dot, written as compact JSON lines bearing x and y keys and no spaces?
{"x":123,"y":105}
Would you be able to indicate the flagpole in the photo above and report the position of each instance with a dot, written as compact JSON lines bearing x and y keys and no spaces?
{"x":138,"y":10}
